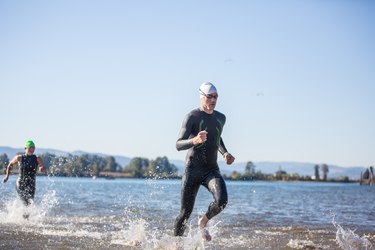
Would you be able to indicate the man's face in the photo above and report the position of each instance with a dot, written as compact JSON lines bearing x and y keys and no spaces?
{"x":29,"y":150}
{"x":209,"y":101}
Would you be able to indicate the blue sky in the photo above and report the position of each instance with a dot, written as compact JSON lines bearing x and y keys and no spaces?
{"x":296,"y":79}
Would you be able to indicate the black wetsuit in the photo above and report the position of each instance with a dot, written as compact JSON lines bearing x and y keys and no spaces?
{"x":26,"y":180}
{"x":201,"y":164}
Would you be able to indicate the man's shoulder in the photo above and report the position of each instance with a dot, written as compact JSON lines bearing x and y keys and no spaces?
{"x":193,"y":116}
{"x":18,"y":156}
{"x":219,"y":114}
{"x":194,"y":112}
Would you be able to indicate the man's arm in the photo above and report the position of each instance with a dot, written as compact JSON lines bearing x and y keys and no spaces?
{"x":42,"y":168}
{"x":14,"y":161}
{"x":222,"y":148}
{"x":229,"y":159}
{"x":185,"y":141}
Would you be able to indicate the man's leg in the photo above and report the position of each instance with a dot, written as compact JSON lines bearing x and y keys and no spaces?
{"x":22,"y":192}
{"x":216,"y":185}
{"x":218,"y":189}
{"x":189,"y":190}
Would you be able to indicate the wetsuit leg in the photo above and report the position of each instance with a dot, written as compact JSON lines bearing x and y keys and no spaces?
{"x":215,"y":183}
{"x":26,"y":191}
{"x":189,"y":190}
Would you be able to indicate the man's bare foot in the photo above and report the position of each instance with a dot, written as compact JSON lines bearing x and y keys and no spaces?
{"x":202,"y":223}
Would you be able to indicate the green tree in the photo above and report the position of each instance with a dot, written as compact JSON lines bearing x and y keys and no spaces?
{"x":249,"y":170}
{"x":343,"y":179}
{"x":52,"y":163}
{"x":161,"y":167}
{"x":111,"y":164}
{"x":98,"y":164}
{"x":72,"y":165}
{"x":281,"y":174}
{"x":260,"y":176}
{"x":316,"y":172}
{"x":325,"y":170}
{"x":235,"y":175}
{"x":94,"y":169}
{"x":48,"y":159}
{"x":137,"y":167}
{"x":4,"y":160}
{"x":81,"y":165}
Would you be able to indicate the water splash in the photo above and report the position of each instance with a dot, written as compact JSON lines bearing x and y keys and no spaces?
{"x":138,"y":232}
{"x":347,"y":239}
{"x":15,"y":211}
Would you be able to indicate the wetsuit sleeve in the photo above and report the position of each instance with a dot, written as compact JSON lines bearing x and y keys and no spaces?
{"x":222,"y":148}
{"x":184,"y":141}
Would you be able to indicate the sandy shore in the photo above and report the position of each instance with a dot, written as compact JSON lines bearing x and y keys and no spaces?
{"x":11,"y":238}
{"x":275,"y":238}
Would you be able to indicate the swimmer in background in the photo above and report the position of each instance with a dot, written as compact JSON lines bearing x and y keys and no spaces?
{"x":26,"y":181}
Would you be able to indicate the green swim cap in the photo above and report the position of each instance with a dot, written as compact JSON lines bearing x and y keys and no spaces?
{"x":29,"y":143}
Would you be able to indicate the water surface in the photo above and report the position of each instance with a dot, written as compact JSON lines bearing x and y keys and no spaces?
{"x":84,"y":213}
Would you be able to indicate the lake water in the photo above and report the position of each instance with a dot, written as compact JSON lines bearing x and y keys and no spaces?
{"x":83,"y":213}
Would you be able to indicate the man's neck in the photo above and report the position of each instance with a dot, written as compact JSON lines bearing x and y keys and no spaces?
{"x":208,"y":111}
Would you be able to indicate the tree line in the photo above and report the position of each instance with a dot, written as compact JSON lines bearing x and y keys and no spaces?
{"x":89,"y":165}
{"x":140,"y":167}
{"x":251,"y":173}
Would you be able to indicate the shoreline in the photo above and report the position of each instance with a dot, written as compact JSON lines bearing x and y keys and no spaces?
{"x":286,"y":237}
{"x":120,"y":175}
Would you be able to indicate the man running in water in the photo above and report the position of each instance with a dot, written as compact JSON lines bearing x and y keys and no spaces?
{"x":200,"y":134}
{"x":28,"y":163}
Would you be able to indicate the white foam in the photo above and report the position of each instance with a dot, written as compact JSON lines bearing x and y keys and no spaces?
{"x":15,"y":210}
{"x":347,"y":239}
{"x":302,"y":244}
{"x":270,"y":233}
{"x":137,"y":232}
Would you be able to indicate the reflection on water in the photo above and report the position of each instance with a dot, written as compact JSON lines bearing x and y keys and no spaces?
{"x":139,"y":214}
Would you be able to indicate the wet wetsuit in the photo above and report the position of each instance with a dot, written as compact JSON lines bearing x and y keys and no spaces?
{"x":26,"y":180}
{"x":201,"y":164}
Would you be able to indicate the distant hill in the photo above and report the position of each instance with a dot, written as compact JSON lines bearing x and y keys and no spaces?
{"x":305,"y":169}
{"x":266,"y":167}
{"x":301,"y":168}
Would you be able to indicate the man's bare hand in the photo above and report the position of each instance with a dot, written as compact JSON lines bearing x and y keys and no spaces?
{"x":200,"y":138}
{"x":229,"y":159}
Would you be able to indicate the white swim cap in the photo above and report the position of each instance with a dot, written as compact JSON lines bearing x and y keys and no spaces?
{"x":207,"y":88}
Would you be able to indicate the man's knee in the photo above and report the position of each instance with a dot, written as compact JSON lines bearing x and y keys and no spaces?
{"x":222,"y":203}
